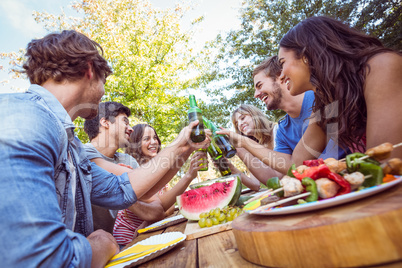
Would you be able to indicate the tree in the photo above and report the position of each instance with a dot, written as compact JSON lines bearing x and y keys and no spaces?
{"x":151,"y":56}
{"x":264,"y":22}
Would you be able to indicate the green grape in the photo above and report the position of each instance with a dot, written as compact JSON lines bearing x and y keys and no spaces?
{"x":224,"y":221}
{"x":221,"y":217}
{"x":232,"y":211}
{"x":203,"y":215}
{"x":229,"y":217}
{"x":208,"y":222}
{"x":202,"y":222}
{"x":212,"y":212}
{"x":217,"y":212}
{"x":235,"y":215}
{"x":215,"y":221}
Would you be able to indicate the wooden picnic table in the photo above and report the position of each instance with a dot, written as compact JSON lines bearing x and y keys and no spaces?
{"x":217,"y":250}
{"x":372,"y":224}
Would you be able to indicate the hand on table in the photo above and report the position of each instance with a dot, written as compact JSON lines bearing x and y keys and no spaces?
{"x":104,"y":247}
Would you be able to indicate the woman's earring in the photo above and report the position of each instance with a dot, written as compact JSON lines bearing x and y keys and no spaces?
{"x":305,"y":60}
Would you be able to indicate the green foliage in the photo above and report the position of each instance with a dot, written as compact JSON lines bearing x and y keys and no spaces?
{"x":151,"y":56}
{"x":263,"y":23}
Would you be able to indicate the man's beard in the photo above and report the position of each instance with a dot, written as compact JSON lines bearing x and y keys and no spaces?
{"x":277,"y":98}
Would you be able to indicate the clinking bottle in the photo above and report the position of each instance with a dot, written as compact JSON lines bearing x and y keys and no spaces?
{"x":216,"y":154}
{"x":223,"y":166}
{"x":222,"y":141}
{"x":204,"y":166}
{"x":194,"y":113}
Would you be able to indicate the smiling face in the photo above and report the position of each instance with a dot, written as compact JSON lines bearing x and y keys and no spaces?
{"x":149,"y":143}
{"x":268,"y":91}
{"x":121,"y":130}
{"x":245,"y":124}
{"x":295,"y":72}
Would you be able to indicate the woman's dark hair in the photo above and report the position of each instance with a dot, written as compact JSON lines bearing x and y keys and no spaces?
{"x":134,"y":149}
{"x":64,"y":56}
{"x":337,"y":56}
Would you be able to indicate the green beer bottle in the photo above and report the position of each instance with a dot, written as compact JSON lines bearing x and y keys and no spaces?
{"x":205,"y":166}
{"x":194,"y":113}
{"x":214,"y":151}
{"x":223,"y":166}
{"x":222,"y":141}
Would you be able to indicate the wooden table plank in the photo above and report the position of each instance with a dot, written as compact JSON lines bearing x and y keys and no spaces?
{"x":183,"y":255}
{"x":220,"y":250}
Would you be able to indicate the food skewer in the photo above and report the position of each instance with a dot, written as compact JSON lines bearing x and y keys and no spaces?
{"x":284,"y":200}
{"x":367,"y":156}
{"x":274,"y":204}
{"x":258,"y":196}
{"x":263,"y":195}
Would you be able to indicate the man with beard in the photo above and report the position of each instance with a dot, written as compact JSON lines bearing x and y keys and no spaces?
{"x":47,"y":181}
{"x":298,"y":108}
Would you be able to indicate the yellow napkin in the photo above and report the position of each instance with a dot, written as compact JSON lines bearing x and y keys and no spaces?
{"x":253,"y":204}
{"x":145,"y":249}
{"x":149,"y":228}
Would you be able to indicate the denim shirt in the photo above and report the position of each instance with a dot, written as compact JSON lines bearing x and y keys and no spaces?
{"x":45,"y":210}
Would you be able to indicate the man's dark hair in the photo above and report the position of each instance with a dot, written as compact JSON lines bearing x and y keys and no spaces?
{"x":270,"y":66}
{"x":108,"y":110}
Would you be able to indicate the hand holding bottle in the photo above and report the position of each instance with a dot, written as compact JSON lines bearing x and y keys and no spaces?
{"x":234,"y":138}
{"x":184,"y":142}
{"x":198,"y":161}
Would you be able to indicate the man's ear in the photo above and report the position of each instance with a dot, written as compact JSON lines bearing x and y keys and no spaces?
{"x":89,"y":72}
{"x":103,"y":122}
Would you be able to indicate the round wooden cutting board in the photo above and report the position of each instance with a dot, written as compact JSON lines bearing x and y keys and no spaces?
{"x":360,"y":233}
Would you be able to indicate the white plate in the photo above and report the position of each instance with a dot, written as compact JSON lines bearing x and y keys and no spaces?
{"x":337,"y":200}
{"x":162,"y":224}
{"x":153,"y":240}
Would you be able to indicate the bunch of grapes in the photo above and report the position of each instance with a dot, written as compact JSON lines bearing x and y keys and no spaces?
{"x":217,"y":216}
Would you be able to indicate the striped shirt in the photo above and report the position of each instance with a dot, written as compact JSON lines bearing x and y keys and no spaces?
{"x":126,"y":226}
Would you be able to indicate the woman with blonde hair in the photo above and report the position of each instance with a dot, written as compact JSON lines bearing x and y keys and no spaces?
{"x":251,"y":122}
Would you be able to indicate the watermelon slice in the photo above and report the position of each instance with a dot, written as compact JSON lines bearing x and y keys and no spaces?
{"x":218,"y":195}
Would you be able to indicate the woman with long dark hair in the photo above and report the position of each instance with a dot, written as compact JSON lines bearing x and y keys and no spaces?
{"x":145,"y":145}
{"x":357,"y":84}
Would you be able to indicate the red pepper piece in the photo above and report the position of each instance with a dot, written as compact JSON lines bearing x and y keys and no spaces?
{"x":314,"y":162}
{"x":315,"y":173}
{"x":344,"y":184}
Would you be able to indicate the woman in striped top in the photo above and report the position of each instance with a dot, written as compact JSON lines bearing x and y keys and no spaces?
{"x":144,"y":145}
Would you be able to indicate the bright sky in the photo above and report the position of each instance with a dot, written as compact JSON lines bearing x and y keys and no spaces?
{"x":17,"y":26}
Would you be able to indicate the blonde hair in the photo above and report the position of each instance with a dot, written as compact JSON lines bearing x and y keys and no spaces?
{"x":263,"y":126}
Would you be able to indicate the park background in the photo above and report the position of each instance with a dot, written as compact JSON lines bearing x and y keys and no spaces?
{"x":162,"y":51}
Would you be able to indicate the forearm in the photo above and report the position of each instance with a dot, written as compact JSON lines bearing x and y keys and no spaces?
{"x":149,"y":210}
{"x":150,"y":178}
{"x":169,"y":198}
{"x":276,"y":160}
{"x":261,"y":171}
{"x":250,"y":182}
{"x":169,"y":175}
